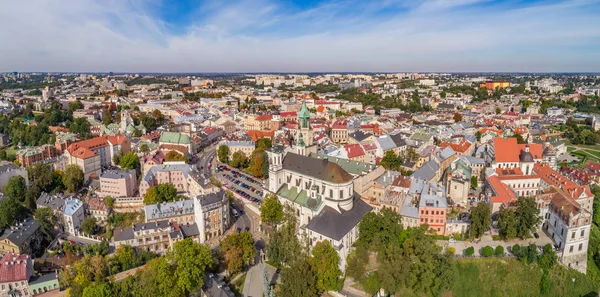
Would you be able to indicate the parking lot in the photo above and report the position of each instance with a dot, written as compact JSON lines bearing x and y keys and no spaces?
{"x":242,"y":184}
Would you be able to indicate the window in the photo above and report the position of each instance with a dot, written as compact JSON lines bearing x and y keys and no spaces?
{"x":582,"y":233}
{"x":330,"y":193}
{"x":573,"y":235}
{"x":580,"y":246}
{"x":571,"y":249}
{"x":341,"y":194}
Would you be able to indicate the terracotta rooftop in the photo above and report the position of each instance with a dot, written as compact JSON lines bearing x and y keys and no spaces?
{"x":13,"y":267}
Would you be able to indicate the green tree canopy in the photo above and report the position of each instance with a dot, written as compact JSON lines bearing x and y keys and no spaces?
{"x":298,"y":280}
{"x":223,"y":154}
{"x":175,"y":156}
{"x":192,"y":261}
{"x":160,"y":193}
{"x":263,"y":143}
{"x":271,"y":210}
{"x":238,"y":160}
{"x":481,"y":220}
{"x":89,"y":226}
{"x":73,"y":178}
{"x":130,"y":161}
{"x":325,"y":263}
{"x":16,"y":188}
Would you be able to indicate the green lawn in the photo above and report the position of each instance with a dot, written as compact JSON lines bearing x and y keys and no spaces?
{"x":509,"y":277}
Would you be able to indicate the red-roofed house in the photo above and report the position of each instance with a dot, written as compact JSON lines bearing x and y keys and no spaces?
{"x":260,"y":122}
{"x":93,"y":154}
{"x":463,"y":148}
{"x":15,"y":271}
{"x":355,"y":152}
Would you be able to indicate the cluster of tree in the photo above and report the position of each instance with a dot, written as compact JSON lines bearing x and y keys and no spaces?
{"x":196,"y":96}
{"x":320,"y":88}
{"x":392,"y":161}
{"x":29,"y":135}
{"x":160,"y":193}
{"x":304,"y":274}
{"x":95,"y":267}
{"x":519,"y":221}
{"x":80,"y":126}
{"x":488,"y":251}
{"x":179,"y":273}
{"x":237,"y":250}
{"x":175,"y":156}
{"x":90,"y":226}
{"x":579,"y":134}
{"x":409,"y":259}
{"x":21,"y":199}
{"x":30,"y":84}
{"x":149,"y":81}
{"x":150,"y":121}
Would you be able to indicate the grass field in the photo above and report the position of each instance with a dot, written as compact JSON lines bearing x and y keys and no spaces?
{"x":509,"y":277}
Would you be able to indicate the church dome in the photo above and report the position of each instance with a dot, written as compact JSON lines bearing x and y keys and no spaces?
{"x":526,"y":156}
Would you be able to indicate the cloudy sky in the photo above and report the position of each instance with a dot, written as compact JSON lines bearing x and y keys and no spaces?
{"x":299,"y":36}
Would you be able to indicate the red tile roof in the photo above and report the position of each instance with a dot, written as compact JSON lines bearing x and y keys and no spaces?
{"x":354,"y":150}
{"x":460,"y":147}
{"x":13,"y":267}
{"x":266,"y":117}
{"x":256,"y":134}
{"x":339,"y":125}
{"x":503,"y":192}
{"x":508,"y":150}
{"x":288,"y":114}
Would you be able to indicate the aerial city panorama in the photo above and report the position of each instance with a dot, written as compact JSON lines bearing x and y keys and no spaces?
{"x":299,"y":148}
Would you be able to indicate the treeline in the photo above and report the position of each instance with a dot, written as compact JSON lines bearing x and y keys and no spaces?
{"x":196,"y":96}
{"x":181,"y":272}
{"x":149,"y":80}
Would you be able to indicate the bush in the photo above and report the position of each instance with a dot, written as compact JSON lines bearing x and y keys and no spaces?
{"x":452,"y":250}
{"x":487,"y":251}
{"x":516,"y":249}
{"x":499,"y":251}
{"x":470,"y":251}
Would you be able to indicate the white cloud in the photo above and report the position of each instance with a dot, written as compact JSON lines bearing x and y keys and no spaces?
{"x":437,"y":35}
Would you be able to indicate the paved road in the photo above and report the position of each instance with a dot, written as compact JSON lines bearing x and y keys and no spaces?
{"x":203,"y":159}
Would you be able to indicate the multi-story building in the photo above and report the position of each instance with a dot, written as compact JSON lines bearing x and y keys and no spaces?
{"x":246,"y":147}
{"x":320,"y":192}
{"x":569,"y":226}
{"x":32,"y":155}
{"x":118,"y":183}
{"x":339,"y":132}
{"x":425,"y":204}
{"x":73,"y":215}
{"x":181,"y":212}
{"x":94,"y":154}
{"x":22,"y":238}
{"x":15,"y":271}
{"x":177,"y":139}
{"x":96,"y":208}
{"x":176,"y":173}
{"x":211,"y":214}
{"x":156,"y":236}
{"x":492,"y":85}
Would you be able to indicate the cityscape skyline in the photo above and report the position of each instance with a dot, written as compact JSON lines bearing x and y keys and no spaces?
{"x":150,"y":36}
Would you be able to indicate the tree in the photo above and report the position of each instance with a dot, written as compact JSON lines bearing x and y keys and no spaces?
{"x":107,"y":117}
{"x":137,"y":133}
{"x":380,"y":229}
{"x":80,"y":126}
{"x":117,"y":157}
{"x":257,"y":159}
{"x":298,"y":280}
{"x":507,"y":223}
{"x":144,"y":148}
{"x":109,"y":201}
{"x":487,"y":251}
{"x":481,"y":220}
{"x":130,"y":161}
{"x":390,"y":161}
{"x":175,"y":156}
{"x":478,"y":135}
{"x":160,"y":193}
{"x":223,"y":154}
{"x":11,"y":210}
{"x":474,"y":184}
{"x":263,"y":143}
{"x":126,"y":257}
{"x":498,"y":110}
{"x":271,"y":210}
{"x":284,"y":247}
{"x":89,"y":226}
{"x":238,"y":160}
{"x":238,"y":248}
{"x":499,"y":251}
{"x":193,"y":260}
{"x":520,"y":139}
{"x":528,"y":216}
{"x":73,"y":178}
{"x":457,"y":117}
{"x":515,"y":249}
{"x":548,"y":258}
{"x":100,"y":290}
{"x":16,"y":188}
{"x":325,"y":263}
{"x":47,"y":219}
{"x":469,"y":251}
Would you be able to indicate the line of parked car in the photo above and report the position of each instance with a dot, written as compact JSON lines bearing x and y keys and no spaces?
{"x":235,"y":178}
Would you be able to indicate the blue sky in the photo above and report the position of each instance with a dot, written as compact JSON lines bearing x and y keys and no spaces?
{"x":300,"y":36}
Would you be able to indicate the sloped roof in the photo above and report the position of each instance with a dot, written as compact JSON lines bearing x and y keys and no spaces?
{"x":13,"y":267}
{"x":334,"y":224}
{"x":318,"y":168}
{"x":174,"y":137}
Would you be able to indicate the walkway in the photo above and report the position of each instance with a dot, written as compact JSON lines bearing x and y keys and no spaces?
{"x":486,"y":240}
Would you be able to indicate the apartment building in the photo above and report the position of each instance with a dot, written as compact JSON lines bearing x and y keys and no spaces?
{"x":8,"y":170}
{"x":94,"y":154}
{"x":339,"y":132}
{"x":211,"y":214}
{"x":176,"y":173}
{"x":246,"y":147}
{"x":22,"y":238}
{"x":156,"y":236}
{"x":181,"y":212}
{"x":118,"y":183}
{"x":32,"y":155}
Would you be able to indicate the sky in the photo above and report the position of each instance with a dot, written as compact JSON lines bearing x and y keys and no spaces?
{"x":300,"y":36}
